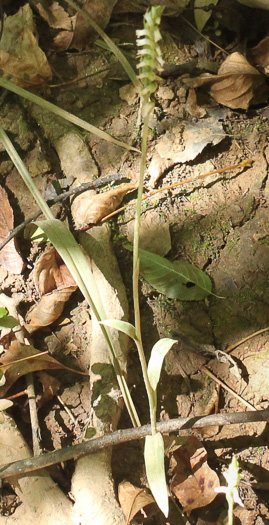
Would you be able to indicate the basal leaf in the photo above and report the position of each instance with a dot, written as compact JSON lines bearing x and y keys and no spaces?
{"x":122,"y":326}
{"x":177,"y":280}
{"x":154,"y":461}
{"x":157,"y":356}
{"x":3,"y":312}
{"x":8,"y":322}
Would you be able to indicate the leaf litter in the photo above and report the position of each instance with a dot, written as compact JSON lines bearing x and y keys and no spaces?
{"x":10,"y":257}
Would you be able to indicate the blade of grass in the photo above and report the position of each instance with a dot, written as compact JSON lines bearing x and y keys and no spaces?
{"x":62,"y":113}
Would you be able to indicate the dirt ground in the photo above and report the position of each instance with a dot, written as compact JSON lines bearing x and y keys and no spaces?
{"x":219,"y":223}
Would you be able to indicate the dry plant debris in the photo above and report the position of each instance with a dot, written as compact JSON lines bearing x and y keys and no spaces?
{"x":194,"y":482}
{"x":237,"y":85}
{"x":20,"y":55}
{"x":10,"y":257}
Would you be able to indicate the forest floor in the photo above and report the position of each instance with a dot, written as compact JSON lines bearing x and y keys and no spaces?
{"x":219,"y":223}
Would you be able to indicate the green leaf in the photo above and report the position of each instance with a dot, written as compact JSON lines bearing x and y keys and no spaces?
{"x":202,"y":16}
{"x":155,"y":364}
{"x":8,"y":322}
{"x":122,"y":326}
{"x":3,"y":312}
{"x":154,"y":461}
{"x":177,"y":280}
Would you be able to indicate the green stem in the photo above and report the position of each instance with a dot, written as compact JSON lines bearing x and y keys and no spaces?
{"x":150,"y":393}
{"x":230,"y":509}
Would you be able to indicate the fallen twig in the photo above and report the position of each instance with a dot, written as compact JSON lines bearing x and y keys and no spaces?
{"x":227,"y":388}
{"x":86,"y":186}
{"x":20,"y":468}
{"x":244,"y":164}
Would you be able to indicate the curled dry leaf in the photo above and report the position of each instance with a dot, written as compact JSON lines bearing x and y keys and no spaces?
{"x":98,"y":206}
{"x":10,"y":258}
{"x":47,"y":310}
{"x":55,"y":285}
{"x":50,"y":387}
{"x":133,"y":499}
{"x":16,"y":363}
{"x":237,"y":84}
{"x":259,"y":55}
{"x":20,"y":55}
{"x":194,"y":482}
{"x":50,"y":272}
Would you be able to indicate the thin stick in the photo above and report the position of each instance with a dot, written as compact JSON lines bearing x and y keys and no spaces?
{"x":36,"y":434}
{"x":20,"y":468}
{"x":243,"y":164}
{"x":86,"y":186}
{"x":226,"y":387}
{"x":232,"y":347}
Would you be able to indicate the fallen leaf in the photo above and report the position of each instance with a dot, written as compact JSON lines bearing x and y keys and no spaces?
{"x":50,"y":386}
{"x":48,"y":309}
{"x":16,"y":363}
{"x":194,"y":482}
{"x":259,"y":55}
{"x":97,"y":207}
{"x":50,"y":273}
{"x":56,"y":16}
{"x":10,"y":258}
{"x":55,"y":284}
{"x":182,"y":145}
{"x":237,"y":84}
{"x":20,"y":56}
{"x":133,"y":499}
{"x":77,"y":31}
{"x":192,"y":107}
{"x":100,"y":11}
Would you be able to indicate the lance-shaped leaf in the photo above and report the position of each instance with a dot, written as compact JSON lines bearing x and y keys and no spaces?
{"x":177,"y":280}
{"x":157,"y":356}
{"x":122,"y":326}
{"x":154,"y":461}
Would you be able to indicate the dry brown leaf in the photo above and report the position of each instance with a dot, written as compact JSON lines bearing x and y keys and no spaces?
{"x":50,"y":273}
{"x":20,"y":55}
{"x":192,"y":107}
{"x":237,"y":84}
{"x":259,"y":55}
{"x":194,"y":481}
{"x":100,"y":11}
{"x":98,"y":206}
{"x":48,"y":309}
{"x":56,"y":16}
{"x":50,"y":386}
{"x":10,"y":259}
{"x":179,"y":145}
{"x":19,"y":352}
{"x":133,"y":499}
